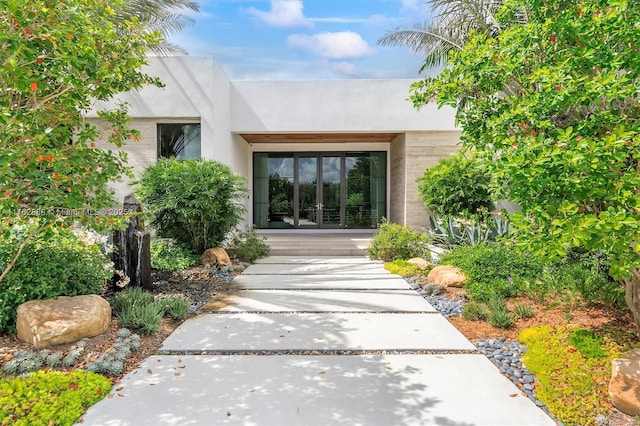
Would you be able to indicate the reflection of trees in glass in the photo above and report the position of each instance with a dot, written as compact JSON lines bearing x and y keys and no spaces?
{"x":307,"y":196}
{"x":280,"y":197}
{"x":179,"y":140}
{"x":359,"y":192}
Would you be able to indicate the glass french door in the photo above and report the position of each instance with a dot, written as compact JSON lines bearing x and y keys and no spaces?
{"x":319,"y":190}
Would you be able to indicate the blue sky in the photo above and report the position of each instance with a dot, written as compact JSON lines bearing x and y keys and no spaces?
{"x":304,"y":39}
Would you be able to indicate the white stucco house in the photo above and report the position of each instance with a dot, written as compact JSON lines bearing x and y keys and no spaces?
{"x":337,"y":154}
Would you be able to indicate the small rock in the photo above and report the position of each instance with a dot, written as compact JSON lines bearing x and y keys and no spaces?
{"x":175,"y":278}
{"x":624,"y":387}
{"x":216,"y":255}
{"x":420,"y":263}
{"x":433,"y":289}
{"x":447,"y":275}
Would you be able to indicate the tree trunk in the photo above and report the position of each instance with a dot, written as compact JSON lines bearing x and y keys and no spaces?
{"x":632,"y":297}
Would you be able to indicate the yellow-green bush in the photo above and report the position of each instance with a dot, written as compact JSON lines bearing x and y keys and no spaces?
{"x":50,"y":397}
{"x":575,"y":388}
{"x":404,"y":268}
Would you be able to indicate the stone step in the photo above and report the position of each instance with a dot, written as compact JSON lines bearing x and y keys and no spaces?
{"x":303,"y":243}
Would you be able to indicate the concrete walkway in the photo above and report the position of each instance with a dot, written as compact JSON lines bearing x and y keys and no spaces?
{"x":317,"y":341}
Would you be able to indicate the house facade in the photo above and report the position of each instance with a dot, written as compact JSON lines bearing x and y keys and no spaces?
{"x":327,"y":154}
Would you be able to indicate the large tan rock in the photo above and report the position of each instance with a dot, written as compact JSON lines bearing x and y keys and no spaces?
{"x":214,"y":256}
{"x":624,"y":387}
{"x":420,"y":263}
{"x":447,"y":275}
{"x":66,"y":319}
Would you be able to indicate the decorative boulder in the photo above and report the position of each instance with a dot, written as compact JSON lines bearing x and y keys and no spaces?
{"x":624,"y":387}
{"x":215,"y":255}
{"x":420,"y":263}
{"x":51,"y":322}
{"x":447,"y":275}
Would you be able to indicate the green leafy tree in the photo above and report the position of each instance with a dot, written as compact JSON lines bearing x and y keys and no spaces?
{"x":59,"y":58}
{"x":553,"y":107}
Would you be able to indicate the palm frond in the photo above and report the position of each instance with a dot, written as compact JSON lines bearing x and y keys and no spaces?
{"x":452,"y":22}
{"x":163,"y":16}
{"x":168,"y":24}
{"x":433,"y":41}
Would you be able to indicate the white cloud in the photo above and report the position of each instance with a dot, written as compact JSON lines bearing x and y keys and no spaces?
{"x":283,"y":13}
{"x":337,"y":45}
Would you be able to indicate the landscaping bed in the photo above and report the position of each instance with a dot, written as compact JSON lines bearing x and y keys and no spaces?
{"x":195,"y":284}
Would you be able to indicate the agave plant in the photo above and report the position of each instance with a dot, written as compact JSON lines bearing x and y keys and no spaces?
{"x":450,"y":232}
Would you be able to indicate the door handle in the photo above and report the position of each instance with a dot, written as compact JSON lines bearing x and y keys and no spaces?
{"x":319,"y":206}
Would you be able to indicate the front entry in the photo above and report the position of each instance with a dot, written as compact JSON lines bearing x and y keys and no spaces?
{"x":319,"y":190}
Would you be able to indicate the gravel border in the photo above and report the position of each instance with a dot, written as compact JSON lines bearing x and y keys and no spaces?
{"x":505,"y":355}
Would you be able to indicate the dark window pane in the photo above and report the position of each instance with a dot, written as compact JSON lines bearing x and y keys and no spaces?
{"x":181,"y":141}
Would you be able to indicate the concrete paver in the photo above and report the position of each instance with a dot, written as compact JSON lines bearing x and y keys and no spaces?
{"x":461,"y":390}
{"x":328,"y":301}
{"x":316,"y":269}
{"x":307,"y":260}
{"x":317,"y":331}
{"x":338,"y":282}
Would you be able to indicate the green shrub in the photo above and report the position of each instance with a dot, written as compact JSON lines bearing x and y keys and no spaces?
{"x":591,"y":279}
{"x":53,"y":263}
{"x":474,"y":311}
{"x":136,"y":309}
{"x":175,"y":307}
{"x":143,"y":318}
{"x":456,"y":186}
{"x":404,"y":268}
{"x":50,"y":397}
{"x":167,"y":255}
{"x":573,"y":386}
{"x":523,"y":311}
{"x":498,"y":316}
{"x":247,"y":246}
{"x":130,"y":296}
{"x":588,"y":343}
{"x":494,"y":270}
{"x":586,"y":274}
{"x":394,"y":241}
{"x":195,"y":202}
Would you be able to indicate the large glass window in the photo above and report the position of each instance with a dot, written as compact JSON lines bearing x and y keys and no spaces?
{"x":181,"y":141}
{"x":366,"y":176}
{"x":273,"y":190}
{"x":326,"y":190}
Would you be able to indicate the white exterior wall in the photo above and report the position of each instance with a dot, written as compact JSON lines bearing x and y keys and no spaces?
{"x":332,"y":106}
